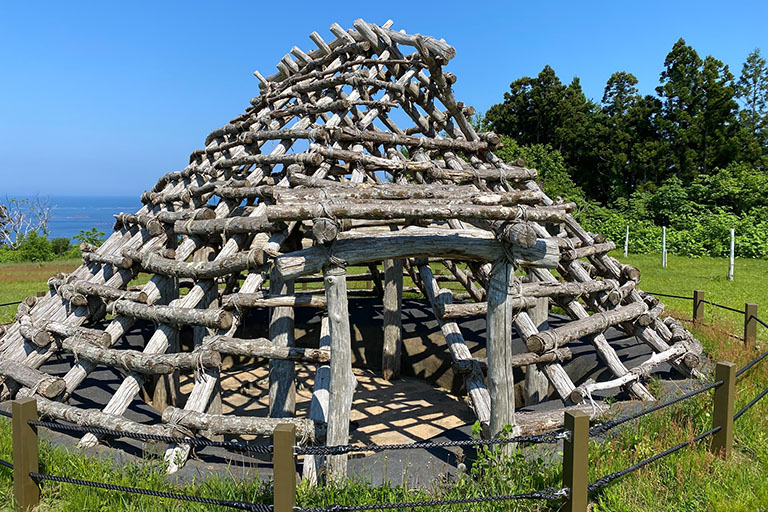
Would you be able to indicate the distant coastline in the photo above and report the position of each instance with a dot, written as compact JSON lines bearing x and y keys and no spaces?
{"x":71,"y":214}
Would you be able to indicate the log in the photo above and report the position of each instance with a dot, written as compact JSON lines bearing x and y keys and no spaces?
{"x":139,"y":362}
{"x":32,"y":333}
{"x":260,"y":300}
{"x":393,"y":336}
{"x":282,"y":373}
{"x":44,"y":384}
{"x":116,"y":261}
{"x":98,"y":419}
{"x":560,"y":355}
{"x":94,"y":336}
{"x":318,"y":408}
{"x":172,"y":315}
{"x":227,"y":226}
{"x":341,"y":388}
{"x":585,"y":390}
{"x":501,"y":314}
{"x":376,"y":210}
{"x":588,"y":250}
{"x":307,"y":431}
{"x":536,"y":388}
{"x":470,"y":309}
{"x":355,"y":248}
{"x":221,"y":266}
{"x":650,"y":316}
{"x":598,"y":322}
{"x":108,"y":292}
{"x":264,"y":348}
{"x":148,"y":222}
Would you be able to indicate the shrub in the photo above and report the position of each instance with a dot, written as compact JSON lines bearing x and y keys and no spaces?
{"x":60,"y":246}
{"x":34,"y":247}
{"x":93,"y":237}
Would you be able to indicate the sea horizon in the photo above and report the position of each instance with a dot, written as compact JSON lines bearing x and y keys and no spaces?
{"x":74,"y":213}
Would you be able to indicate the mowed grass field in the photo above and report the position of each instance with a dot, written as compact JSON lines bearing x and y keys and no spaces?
{"x":20,"y":280}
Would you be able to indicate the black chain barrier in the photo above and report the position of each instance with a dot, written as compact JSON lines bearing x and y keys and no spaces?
{"x":549,"y":494}
{"x":607,"y":479}
{"x":608,"y":425}
{"x":670,"y":296}
{"x":194,"y":441}
{"x":241,"y":505}
{"x":752,"y":363}
{"x":549,"y":437}
{"x":750,"y":404}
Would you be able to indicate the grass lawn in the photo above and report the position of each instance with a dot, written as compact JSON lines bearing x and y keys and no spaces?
{"x":689,"y":480}
{"x":20,"y":280}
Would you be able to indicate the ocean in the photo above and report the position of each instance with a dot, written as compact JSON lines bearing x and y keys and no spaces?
{"x":74,"y":214}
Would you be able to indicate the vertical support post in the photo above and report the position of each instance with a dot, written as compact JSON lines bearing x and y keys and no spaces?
{"x":282,"y":378}
{"x":576,"y":461}
{"x":750,"y":323}
{"x":25,"y":456}
{"x":318,"y":409}
{"x":733,"y":253}
{"x":500,"y":324}
{"x":698,"y":305}
{"x":536,"y":382}
{"x":284,"y":467}
{"x":342,"y":379}
{"x":393,"y":336}
{"x":626,"y":242}
{"x":664,"y":247}
{"x":722,"y":440}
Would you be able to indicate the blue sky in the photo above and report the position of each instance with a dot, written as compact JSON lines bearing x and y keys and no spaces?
{"x":105,"y":97}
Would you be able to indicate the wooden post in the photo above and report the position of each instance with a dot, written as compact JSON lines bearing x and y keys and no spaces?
{"x":342,"y":378}
{"x":393,"y":337}
{"x":730,"y":266}
{"x":664,"y":247}
{"x":318,"y":409}
{"x":26,"y":493}
{"x":500,"y":322}
{"x":284,"y":467}
{"x":698,"y":306}
{"x":536,"y":381}
{"x":576,"y":461}
{"x":750,"y":323}
{"x":282,"y":378}
{"x":626,"y":242}
{"x":725,"y":394}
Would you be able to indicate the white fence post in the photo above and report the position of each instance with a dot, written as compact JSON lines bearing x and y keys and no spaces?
{"x":733,"y":245}
{"x":664,"y":246}
{"x":626,"y":242}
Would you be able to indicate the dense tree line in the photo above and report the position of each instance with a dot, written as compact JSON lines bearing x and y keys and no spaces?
{"x":694,"y":156}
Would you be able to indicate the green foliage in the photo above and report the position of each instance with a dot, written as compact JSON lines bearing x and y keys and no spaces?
{"x":93,"y":237}
{"x":60,"y":246}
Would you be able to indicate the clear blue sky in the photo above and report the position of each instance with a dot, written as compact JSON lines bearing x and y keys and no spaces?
{"x":104,"y":97}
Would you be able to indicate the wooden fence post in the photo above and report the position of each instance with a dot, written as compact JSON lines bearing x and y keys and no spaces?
{"x":26,"y":493}
{"x":750,"y":323}
{"x":576,"y":461}
{"x":698,"y":306}
{"x":722,"y":416}
{"x":284,"y":467}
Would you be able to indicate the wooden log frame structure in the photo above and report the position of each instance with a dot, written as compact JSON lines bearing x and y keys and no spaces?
{"x":404,"y":202}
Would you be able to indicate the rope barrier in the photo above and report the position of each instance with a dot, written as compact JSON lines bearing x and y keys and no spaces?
{"x":608,"y":425}
{"x":549,"y":494}
{"x":549,"y":437}
{"x":760,"y":322}
{"x":194,"y":441}
{"x":241,"y":505}
{"x":6,"y":464}
{"x":607,"y":479}
{"x":750,"y":404}
{"x":752,"y":363}
{"x":670,"y":296}
{"x":11,"y":303}
{"x":723,"y":307}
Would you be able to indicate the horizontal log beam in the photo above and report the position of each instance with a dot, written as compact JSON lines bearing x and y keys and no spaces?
{"x":238,"y":262}
{"x":307,"y":431}
{"x":43,"y":384}
{"x":263,"y":348}
{"x":213,"y":318}
{"x":598,"y":322}
{"x":139,"y":362}
{"x":356,"y":247}
{"x":259,"y":300}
